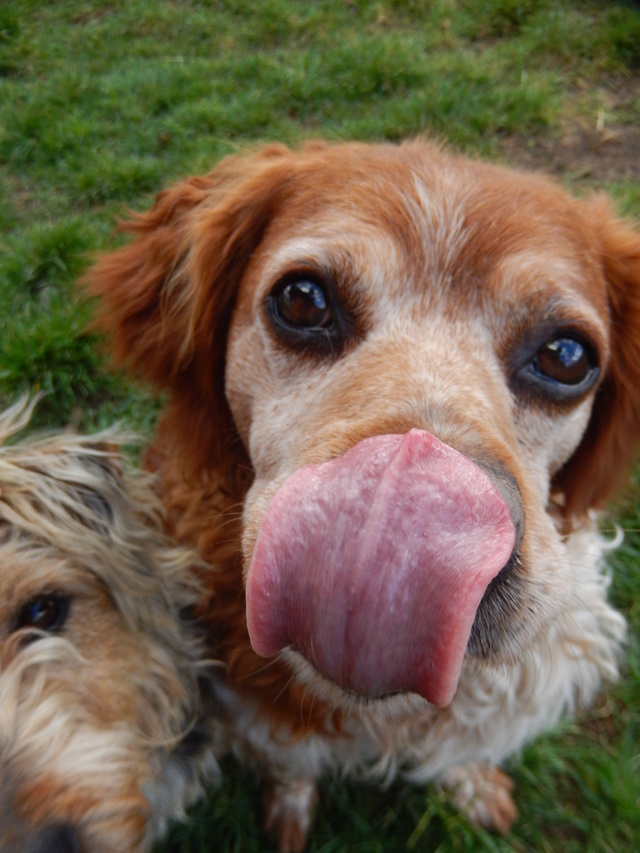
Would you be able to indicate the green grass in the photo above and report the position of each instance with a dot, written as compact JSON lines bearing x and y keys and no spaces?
{"x":102,"y":102}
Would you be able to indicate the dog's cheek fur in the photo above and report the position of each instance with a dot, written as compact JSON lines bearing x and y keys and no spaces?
{"x":601,"y":463}
{"x":546,"y":442}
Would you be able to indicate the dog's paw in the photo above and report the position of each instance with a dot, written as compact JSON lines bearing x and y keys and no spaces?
{"x":289,"y":808}
{"x":483,"y":793}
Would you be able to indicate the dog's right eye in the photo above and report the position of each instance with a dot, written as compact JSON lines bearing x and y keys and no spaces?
{"x":311,"y":314}
{"x":302,"y":303}
{"x":44,"y":613}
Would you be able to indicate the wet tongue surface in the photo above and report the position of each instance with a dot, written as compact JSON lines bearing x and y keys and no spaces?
{"x":373,"y":565}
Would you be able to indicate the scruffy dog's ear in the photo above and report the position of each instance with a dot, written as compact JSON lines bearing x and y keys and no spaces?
{"x":610,"y":446}
{"x":166,"y":298}
{"x":59,"y":483}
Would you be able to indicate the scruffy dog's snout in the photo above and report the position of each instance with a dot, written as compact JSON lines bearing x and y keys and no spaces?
{"x":57,"y":838}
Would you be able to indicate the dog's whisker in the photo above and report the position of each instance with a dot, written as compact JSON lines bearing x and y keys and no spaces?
{"x":284,"y":687}
{"x":268,"y":664}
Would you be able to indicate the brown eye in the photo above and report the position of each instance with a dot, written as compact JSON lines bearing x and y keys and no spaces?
{"x":560,"y":367}
{"x":309,"y":313}
{"x":303,"y":304}
{"x":564,"y":360}
{"x":44,"y":613}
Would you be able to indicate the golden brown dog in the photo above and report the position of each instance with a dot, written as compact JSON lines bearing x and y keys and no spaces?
{"x":102,"y":680}
{"x":400,"y":381}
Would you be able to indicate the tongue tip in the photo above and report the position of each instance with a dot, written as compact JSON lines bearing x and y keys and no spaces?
{"x":261,"y":645}
{"x":441,"y":693}
{"x":260,"y":628}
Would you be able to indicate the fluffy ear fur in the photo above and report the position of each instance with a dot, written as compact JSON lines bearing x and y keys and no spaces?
{"x":166,"y":298}
{"x":602,"y":461}
{"x":57,"y":483}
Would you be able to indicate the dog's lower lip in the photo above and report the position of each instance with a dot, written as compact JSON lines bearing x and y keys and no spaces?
{"x":381,"y":697}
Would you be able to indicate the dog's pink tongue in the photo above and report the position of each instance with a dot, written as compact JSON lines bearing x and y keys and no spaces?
{"x":373,"y":565}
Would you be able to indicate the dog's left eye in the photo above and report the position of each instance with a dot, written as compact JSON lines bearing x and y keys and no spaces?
{"x":564,"y":360}
{"x":44,"y":613}
{"x":563,"y":368}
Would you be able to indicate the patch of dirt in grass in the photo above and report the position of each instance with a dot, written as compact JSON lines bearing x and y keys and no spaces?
{"x":596,"y":150}
{"x":596,"y":155}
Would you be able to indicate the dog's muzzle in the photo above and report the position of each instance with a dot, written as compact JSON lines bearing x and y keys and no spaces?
{"x":373,"y":565}
{"x":57,"y":838}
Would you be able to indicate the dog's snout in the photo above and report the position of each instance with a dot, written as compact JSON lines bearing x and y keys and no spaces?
{"x":56,"y":838}
{"x":508,"y":488}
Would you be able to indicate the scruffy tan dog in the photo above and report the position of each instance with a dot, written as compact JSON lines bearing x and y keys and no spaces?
{"x":102,"y":688}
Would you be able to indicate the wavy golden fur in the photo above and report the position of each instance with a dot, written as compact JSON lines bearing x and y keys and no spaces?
{"x":447,"y":268}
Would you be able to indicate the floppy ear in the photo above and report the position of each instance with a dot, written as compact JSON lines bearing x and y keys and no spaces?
{"x":57,"y":485}
{"x":609,"y":448}
{"x":166,"y":298}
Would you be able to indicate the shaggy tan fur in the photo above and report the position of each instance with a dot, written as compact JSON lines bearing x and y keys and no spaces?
{"x":102,"y":673}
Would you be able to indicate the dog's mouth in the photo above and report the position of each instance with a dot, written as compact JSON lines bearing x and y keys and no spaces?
{"x":373,"y":565}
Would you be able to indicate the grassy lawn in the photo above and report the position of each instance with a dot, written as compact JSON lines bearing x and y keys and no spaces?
{"x":102,"y":102}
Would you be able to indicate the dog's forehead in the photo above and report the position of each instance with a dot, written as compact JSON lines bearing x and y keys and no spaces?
{"x":422,"y":227}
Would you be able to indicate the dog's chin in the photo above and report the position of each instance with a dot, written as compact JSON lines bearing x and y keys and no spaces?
{"x":389,"y":706}
{"x":392,"y":707}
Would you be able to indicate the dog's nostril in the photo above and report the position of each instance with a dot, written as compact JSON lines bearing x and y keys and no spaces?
{"x":56,"y":838}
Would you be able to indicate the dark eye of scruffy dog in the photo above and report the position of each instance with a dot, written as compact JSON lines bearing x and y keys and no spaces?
{"x":45,"y":613}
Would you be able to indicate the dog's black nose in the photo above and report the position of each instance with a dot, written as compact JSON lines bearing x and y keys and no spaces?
{"x":57,"y":838}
